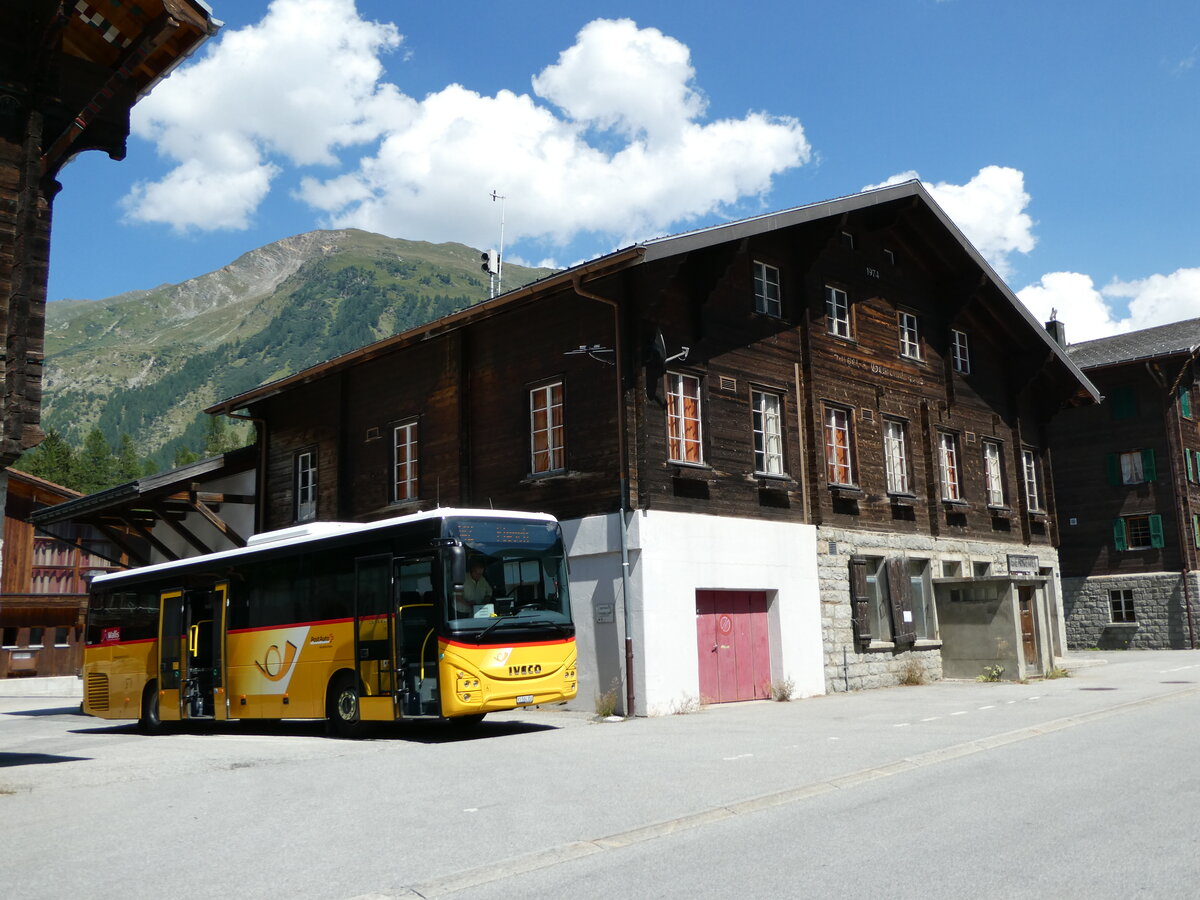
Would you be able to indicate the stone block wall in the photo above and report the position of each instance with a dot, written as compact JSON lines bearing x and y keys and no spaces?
{"x":1158,"y":604}
{"x":849,"y":666}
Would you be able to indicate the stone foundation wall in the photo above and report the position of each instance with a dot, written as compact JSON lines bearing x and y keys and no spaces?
{"x":849,"y":666}
{"x":1158,"y":605}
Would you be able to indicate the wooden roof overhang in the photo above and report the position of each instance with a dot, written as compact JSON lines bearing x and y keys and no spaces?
{"x":136,"y":508}
{"x":80,"y":65}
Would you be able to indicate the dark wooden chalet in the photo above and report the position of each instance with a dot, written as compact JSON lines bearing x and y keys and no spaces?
{"x":1128,"y":477}
{"x":768,"y":417}
{"x":69,"y":74}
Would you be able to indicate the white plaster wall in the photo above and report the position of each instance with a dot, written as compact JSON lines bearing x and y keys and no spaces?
{"x":239,"y":516}
{"x":681,"y":554}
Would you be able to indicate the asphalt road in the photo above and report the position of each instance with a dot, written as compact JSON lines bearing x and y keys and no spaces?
{"x":1080,"y":787}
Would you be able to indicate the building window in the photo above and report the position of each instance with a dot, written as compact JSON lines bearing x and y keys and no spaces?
{"x":847,"y":240}
{"x":766,"y":290}
{"x":837,"y":446}
{"x":1120,"y":604}
{"x":924,"y":623}
{"x":1138,"y":533}
{"x":8,"y":639}
{"x":546,"y":432}
{"x":768,"y":433}
{"x":61,"y":636}
{"x":879,"y":606}
{"x":948,"y":461}
{"x":1123,"y":402}
{"x":993,"y":473}
{"x":1029,"y":467}
{"x":1132,"y":467}
{"x":306,"y":485}
{"x":960,"y":353}
{"x":1191,"y":462}
{"x":35,"y":636}
{"x":1185,"y":401}
{"x":837,"y":312}
{"x":910,"y":341}
{"x":404,"y":462}
{"x":683,"y":418}
{"x":895,"y":454}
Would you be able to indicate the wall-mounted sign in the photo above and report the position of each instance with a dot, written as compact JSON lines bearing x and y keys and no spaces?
{"x":1022,"y":564}
{"x":604,"y":613}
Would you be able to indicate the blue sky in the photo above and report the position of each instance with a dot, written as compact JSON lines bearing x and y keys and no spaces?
{"x":1060,"y":136}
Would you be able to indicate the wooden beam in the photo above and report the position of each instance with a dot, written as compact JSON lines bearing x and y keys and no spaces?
{"x":181,"y":531}
{"x":153,"y":541}
{"x":120,"y":539}
{"x":218,"y":523}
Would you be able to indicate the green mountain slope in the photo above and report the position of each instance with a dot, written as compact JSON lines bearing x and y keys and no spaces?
{"x":147,"y":362}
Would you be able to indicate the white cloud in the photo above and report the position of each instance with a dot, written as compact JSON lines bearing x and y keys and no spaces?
{"x":610,"y":141}
{"x":291,"y":89}
{"x":990,"y":210}
{"x":1089,"y":313}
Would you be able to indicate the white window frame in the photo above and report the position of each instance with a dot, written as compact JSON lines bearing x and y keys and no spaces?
{"x":680,"y":389}
{"x":879,"y":609}
{"x":949,"y":462}
{"x":767,"y":293}
{"x":404,"y":462}
{"x":993,"y":473}
{"x":923,"y":607}
{"x":895,"y":454}
{"x":547,"y":433}
{"x":1029,"y":468}
{"x":1122,"y":598}
{"x":837,"y":312}
{"x":910,"y":334}
{"x":305,"y":485}
{"x":1133,"y":470}
{"x":837,"y":423}
{"x":768,"y":432}
{"x":960,"y":352}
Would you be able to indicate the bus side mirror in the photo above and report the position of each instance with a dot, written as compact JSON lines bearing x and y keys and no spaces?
{"x":458,"y":566}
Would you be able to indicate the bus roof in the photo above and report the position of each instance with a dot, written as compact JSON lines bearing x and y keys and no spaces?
{"x":315,"y":531}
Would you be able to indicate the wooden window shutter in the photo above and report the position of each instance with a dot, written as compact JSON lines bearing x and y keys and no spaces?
{"x":1196,"y":529}
{"x":1114,"y":469}
{"x":859,"y":598}
{"x":1149,"y":470}
{"x":900,"y":593}
{"x":1156,"y":531}
{"x":1119,"y":534}
{"x":1187,"y":458}
{"x":1185,"y":402}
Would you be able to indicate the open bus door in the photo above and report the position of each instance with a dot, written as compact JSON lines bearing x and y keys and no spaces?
{"x":191,"y":661}
{"x":416,"y":643}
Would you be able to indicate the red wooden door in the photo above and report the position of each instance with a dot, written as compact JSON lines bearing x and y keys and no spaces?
{"x":733,"y":645}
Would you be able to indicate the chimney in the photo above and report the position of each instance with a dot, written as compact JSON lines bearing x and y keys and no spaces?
{"x":1058,"y":331}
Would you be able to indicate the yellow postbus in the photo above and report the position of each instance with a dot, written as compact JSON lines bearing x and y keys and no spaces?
{"x":445,"y":614}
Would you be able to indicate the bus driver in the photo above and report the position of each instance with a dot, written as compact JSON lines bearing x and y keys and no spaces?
{"x":477,"y":590}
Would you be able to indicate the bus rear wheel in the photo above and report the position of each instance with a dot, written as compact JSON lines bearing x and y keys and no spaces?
{"x":149,"y":722}
{"x":342,"y":709}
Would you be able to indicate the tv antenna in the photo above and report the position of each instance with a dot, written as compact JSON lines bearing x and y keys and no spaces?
{"x":493,"y":261}
{"x":592,"y":350}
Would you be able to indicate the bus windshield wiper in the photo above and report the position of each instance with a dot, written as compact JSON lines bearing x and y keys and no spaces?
{"x":562,"y":629}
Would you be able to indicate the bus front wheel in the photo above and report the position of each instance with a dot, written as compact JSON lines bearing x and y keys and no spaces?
{"x":343,"y":713}
{"x":149,"y":722}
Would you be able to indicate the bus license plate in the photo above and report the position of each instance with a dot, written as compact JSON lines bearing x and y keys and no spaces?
{"x":524,"y":698}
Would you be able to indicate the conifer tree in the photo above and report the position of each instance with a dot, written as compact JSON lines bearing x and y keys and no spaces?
{"x":53,"y":459}
{"x":97,"y":464}
{"x":126,"y":467}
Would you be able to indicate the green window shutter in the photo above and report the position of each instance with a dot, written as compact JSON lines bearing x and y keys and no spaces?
{"x":1124,"y":402}
{"x":1187,"y":458}
{"x":1185,"y":402}
{"x":1114,"y":469}
{"x":1156,"y":532}
{"x":1149,"y":471}
{"x":1196,"y":529}
{"x":1119,"y":534}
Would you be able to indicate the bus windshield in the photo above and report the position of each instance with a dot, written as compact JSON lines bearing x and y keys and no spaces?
{"x":516,"y":577}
